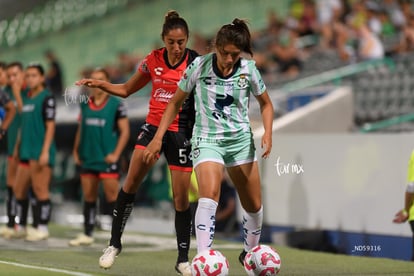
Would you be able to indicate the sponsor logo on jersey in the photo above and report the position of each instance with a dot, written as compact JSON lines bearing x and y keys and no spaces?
{"x":28,"y":107}
{"x":210,"y":81}
{"x":161,"y":95}
{"x":95,"y":122}
{"x":221,"y":102}
{"x":158,"y":71}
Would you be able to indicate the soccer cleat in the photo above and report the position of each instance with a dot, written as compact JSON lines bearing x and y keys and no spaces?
{"x":183,"y":268}
{"x":19,"y":233}
{"x":242,"y":256}
{"x":6,"y":232}
{"x":36,"y":235}
{"x":108,"y":257}
{"x":81,"y":239}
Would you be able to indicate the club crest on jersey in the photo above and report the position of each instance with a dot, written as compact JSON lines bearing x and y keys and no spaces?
{"x":144,"y":67}
{"x":196,"y":153}
{"x":242,"y":82}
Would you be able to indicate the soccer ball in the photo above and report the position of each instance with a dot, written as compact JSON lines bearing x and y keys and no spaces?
{"x":262,"y":260}
{"x":208,"y":263}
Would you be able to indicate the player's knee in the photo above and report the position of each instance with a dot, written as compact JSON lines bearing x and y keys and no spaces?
{"x":252,"y":206}
{"x":181,"y":203}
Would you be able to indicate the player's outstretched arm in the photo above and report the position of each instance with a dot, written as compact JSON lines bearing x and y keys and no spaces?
{"x":135,"y":83}
{"x":152,"y":151}
{"x":266,"y":109}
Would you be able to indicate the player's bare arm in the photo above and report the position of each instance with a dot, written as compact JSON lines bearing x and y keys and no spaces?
{"x":135,"y":83}
{"x":267,"y":111}
{"x":123,"y":126}
{"x":76,"y":146}
{"x":49,"y":134}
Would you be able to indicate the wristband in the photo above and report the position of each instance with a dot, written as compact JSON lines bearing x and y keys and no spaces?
{"x":404,"y":212}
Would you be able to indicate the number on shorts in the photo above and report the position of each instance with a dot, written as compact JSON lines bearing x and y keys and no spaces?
{"x":182,"y":156}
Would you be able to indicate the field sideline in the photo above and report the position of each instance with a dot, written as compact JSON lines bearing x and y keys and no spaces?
{"x":147,"y":255}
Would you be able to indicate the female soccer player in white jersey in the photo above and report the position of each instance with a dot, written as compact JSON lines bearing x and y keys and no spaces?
{"x":222,"y":82}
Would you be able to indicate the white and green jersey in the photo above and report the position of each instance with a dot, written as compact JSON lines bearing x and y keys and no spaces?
{"x":221,"y":103}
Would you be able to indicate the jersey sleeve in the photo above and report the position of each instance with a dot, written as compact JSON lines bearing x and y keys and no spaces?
{"x":49,"y":108}
{"x":143,"y":66}
{"x":257,"y":84}
{"x":188,"y":80}
{"x":121,"y":111}
{"x":4,"y":98}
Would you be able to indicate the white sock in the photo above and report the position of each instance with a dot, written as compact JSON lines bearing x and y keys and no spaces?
{"x":205,"y":220}
{"x":252,"y":228}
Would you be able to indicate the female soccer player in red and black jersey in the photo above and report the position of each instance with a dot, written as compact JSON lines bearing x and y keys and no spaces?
{"x":102,"y":135}
{"x":163,"y":67}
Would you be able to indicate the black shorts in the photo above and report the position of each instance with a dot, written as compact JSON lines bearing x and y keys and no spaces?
{"x":112,"y":171}
{"x":175,"y":146}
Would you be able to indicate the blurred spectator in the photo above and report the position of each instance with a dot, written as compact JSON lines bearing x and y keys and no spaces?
{"x":373,"y":17}
{"x":369,"y":45}
{"x":395,"y":13}
{"x":307,"y":23}
{"x":387,"y":28}
{"x":262,"y":40}
{"x":407,"y":37}
{"x":328,"y":12}
{"x":286,"y":54}
{"x":54,"y":75}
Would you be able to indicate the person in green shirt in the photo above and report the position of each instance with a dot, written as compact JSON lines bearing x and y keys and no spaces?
{"x":407,"y":213}
{"x":14,"y":87}
{"x":101,"y":137}
{"x":36,"y":151}
{"x":10,"y":112}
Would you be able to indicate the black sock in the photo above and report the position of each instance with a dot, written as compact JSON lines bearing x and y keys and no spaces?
{"x":21,"y":211}
{"x":89,"y":215}
{"x":11,"y":207}
{"x":45,"y":211}
{"x":35,"y":211}
{"x":110,"y":208}
{"x":183,"y":230}
{"x":123,"y":208}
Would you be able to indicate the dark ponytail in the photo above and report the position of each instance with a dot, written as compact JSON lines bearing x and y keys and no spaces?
{"x":236,"y":33}
{"x":173,"y":21}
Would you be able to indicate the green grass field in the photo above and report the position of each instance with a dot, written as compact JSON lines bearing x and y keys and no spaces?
{"x":155,"y":255}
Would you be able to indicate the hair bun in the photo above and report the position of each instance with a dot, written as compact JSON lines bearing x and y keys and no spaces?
{"x":238,"y":21}
{"x":171,"y":15}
